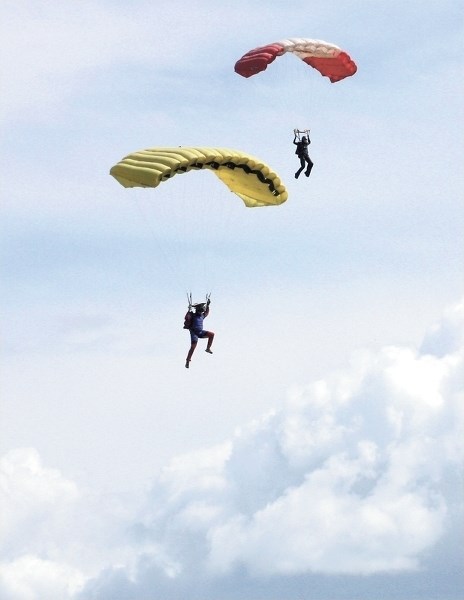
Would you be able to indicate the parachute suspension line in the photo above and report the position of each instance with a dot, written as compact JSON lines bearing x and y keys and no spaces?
{"x":147,"y":220}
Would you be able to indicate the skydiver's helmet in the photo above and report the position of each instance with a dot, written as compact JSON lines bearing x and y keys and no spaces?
{"x":304,"y":139}
{"x":200,"y":307}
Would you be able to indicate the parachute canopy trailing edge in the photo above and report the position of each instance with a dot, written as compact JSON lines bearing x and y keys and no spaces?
{"x":330,"y":60}
{"x":248,"y":177}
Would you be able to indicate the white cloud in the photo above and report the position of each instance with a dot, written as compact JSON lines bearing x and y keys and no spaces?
{"x":32,"y":501}
{"x":367,"y":494}
{"x":35,"y":506}
{"x":53,"y":537}
{"x":322,"y":525}
{"x":31,"y":578}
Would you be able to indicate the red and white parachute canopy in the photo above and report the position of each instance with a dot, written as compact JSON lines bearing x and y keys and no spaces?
{"x":330,"y":60}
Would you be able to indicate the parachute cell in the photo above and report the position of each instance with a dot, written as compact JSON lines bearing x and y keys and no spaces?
{"x":330,"y":60}
{"x":248,"y":177}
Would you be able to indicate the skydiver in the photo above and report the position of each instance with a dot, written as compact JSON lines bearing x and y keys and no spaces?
{"x":197,"y":331}
{"x":302,"y":153}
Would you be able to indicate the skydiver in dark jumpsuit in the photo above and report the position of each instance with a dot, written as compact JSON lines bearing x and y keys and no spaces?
{"x":302,"y":153}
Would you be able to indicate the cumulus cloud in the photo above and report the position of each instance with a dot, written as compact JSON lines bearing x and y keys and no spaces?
{"x":34,"y":504}
{"x":356,"y":476}
{"x":29,"y":578}
{"x":53,"y":536}
{"x":32,"y":500}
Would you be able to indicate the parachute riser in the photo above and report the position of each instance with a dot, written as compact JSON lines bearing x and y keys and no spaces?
{"x":299,"y":133}
{"x":190,"y":299}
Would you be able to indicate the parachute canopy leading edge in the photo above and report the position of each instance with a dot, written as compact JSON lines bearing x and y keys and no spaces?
{"x":248,"y":177}
{"x":330,"y":60}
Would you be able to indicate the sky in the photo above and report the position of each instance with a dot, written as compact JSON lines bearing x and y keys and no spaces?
{"x":317,"y":454}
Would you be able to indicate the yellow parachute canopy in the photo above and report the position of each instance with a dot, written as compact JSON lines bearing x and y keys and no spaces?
{"x":248,"y":177}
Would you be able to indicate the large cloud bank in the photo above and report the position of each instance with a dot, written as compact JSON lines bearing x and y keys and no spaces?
{"x":357,"y":476}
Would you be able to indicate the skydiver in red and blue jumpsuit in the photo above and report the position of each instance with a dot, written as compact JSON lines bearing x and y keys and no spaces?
{"x":197,"y":331}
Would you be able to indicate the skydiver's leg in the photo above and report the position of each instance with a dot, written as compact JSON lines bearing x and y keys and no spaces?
{"x":190,"y":353}
{"x":309,"y":167}
{"x":210,"y":336}
{"x":302,"y":163}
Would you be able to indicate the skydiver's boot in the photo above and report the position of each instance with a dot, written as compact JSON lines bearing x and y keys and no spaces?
{"x":187,"y":364}
{"x":297,"y":174}
{"x":209,"y":351}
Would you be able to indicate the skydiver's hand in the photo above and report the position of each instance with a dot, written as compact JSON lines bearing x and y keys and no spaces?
{"x":208,"y":302}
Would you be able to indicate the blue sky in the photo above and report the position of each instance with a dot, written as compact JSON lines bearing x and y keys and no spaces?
{"x":316,"y":454}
